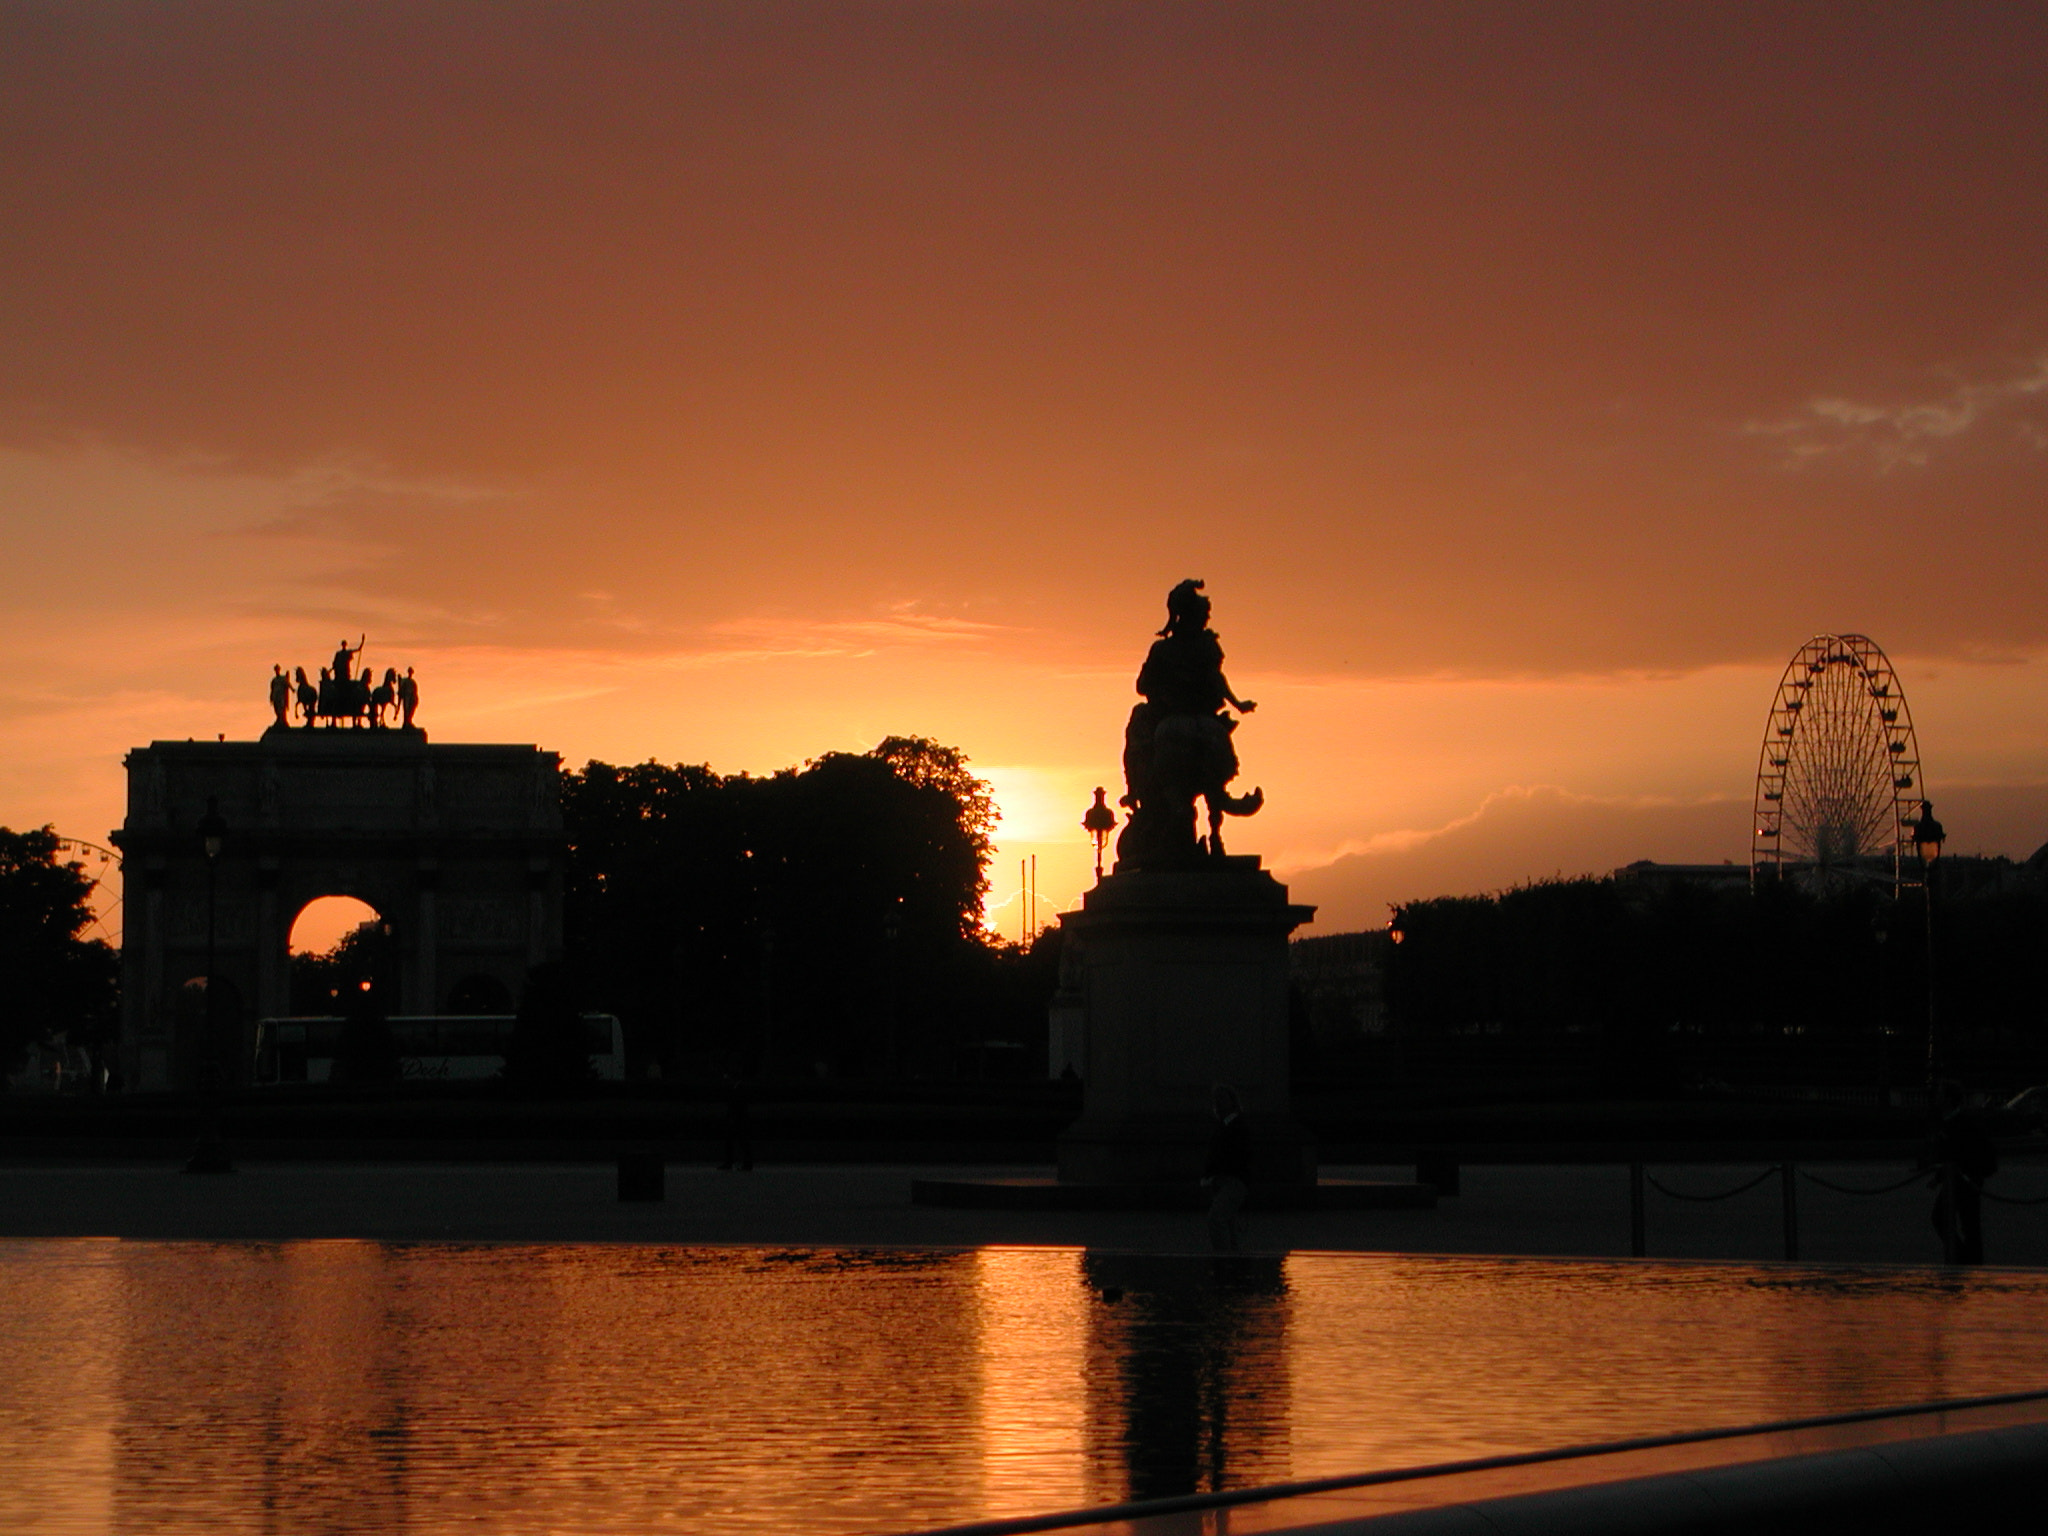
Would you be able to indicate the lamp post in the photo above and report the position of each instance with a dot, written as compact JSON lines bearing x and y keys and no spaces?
{"x":892,"y":929}
{"x":1100,"y":822}
{"x":210,"y":1153}
{"x":1928,"y":837}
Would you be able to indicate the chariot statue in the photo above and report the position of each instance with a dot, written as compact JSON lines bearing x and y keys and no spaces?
{"x":344,"y":693}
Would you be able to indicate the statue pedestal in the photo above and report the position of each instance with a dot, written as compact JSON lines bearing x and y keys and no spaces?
{"x":1182,"y":980}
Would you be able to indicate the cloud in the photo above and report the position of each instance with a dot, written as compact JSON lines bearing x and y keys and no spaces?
{"x":1518,"y":834}
{"x":1907,"y":435}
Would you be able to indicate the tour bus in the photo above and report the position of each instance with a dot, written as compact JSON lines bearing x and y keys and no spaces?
{"x":431,"y":1047}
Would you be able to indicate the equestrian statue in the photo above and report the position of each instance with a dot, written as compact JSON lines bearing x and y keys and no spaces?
{"x":1177,"y":745}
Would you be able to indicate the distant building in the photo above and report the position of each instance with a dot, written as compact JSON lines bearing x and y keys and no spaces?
{"x":1654,"y":878}
{"x":1341,"y":979}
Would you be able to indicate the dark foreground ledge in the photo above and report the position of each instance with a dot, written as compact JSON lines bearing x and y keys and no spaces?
{"x":1978,"y":1464}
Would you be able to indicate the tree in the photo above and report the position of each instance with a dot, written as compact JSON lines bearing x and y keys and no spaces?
{"x":52,"y":982}
{"x":820,"y":914}
{"x":323,"y":984}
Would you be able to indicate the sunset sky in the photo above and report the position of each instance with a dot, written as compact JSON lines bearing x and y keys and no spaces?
{"x":738,"y":382}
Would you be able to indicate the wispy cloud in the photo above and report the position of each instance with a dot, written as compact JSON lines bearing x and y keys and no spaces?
{"x":1512,"y":798}
{"x":900,"y":624}
{"x":1907,"y":434}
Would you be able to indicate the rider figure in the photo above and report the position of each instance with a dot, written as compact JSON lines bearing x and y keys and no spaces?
{"x":1177,"y":745}
{"x":343,"y":658}
{"x":1183,"y":672}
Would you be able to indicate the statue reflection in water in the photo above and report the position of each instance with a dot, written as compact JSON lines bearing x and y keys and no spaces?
{"x":1187,"y":1372}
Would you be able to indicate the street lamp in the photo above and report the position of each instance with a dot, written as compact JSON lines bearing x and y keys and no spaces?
{"x":1928,"y":837}
{"x":210,"y":1153}
{"x":1100,"y":822}
{"x":1394,"y":929}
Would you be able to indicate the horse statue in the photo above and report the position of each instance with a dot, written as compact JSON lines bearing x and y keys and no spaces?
{"x":382,"y":697}
{"x":1177,"y":744}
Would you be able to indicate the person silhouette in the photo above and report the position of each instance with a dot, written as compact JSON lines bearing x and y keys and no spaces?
{"x":343,"y":658}
{"x":408,"y":698}
{"x":280,"y":695}
{"x":1227,"y":1175}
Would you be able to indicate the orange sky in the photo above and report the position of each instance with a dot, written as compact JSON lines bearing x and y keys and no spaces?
{"x":738,"y":382}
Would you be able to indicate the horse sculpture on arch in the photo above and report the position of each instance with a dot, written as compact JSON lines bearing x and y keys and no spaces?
{"x":343,"y":693}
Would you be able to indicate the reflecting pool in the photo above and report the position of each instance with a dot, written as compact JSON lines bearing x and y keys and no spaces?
{"x":357,"y":1386}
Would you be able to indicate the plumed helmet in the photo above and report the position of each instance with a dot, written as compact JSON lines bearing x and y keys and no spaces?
{"x":1186,"y":606}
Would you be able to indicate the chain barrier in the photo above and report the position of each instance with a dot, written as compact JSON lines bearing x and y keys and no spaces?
{"x":1886,"y":1189}
{"x":2013,"y":1199}
{"x":1678,"y":1194}
{"x":1789,"y":1173}
{"x":1853,"y":1189}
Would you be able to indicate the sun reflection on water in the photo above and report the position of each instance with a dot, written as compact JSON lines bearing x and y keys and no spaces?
{"x":355,"y":1386}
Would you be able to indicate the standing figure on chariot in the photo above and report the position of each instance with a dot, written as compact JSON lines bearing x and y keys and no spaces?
{"x":1177,"y":746}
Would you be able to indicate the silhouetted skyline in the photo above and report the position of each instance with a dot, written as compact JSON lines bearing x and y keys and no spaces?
{"x":740,"y":383}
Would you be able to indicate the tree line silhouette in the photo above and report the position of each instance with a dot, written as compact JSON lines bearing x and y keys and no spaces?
{"x":822,"y":920}
{"x":1813,"y":980}
{"x":60,"y":988}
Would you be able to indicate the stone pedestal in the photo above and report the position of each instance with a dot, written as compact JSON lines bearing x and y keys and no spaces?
{"x":1181,"y":979}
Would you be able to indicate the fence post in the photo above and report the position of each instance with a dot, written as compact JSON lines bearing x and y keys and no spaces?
{"x":1790,"y":1173}
{"x":1637,"y":1246}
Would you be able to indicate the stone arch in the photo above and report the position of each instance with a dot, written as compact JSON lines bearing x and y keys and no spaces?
{"x":480,"y":993}
{"x":458,"y":848}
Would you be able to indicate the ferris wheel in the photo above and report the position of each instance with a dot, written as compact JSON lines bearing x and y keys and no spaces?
{"x":1838,"y":778}
{"x":102,"y":866}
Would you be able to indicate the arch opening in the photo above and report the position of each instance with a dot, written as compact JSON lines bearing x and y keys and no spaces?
{"x":340,"y":949}
{"x":327,"y":921}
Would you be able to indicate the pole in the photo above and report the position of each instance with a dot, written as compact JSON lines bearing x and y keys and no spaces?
{"x":210,"y":1154}
{"x":1638,"y":1243}
{"x":1790,"y":1174}
{"x":1933,"y":1038}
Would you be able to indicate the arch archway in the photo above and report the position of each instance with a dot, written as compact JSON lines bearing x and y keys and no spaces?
{"x":340,"y":945}
{"x":323,"y":923}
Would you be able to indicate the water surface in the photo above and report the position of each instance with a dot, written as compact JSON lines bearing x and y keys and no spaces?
{"x":355,"y":1386}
